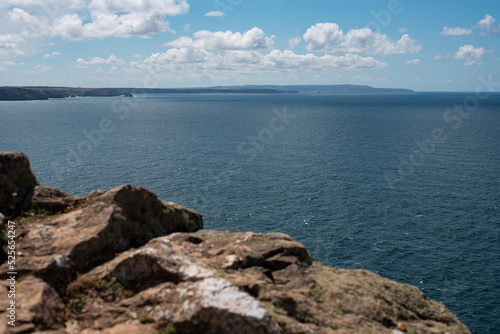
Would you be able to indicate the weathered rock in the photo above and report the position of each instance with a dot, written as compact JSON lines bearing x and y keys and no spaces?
{"x":53,"y":200}
{"x":37,"y":307}
{"x":39,"y":304}
{"x":223,"y":282}
{"x":113,"y":222}
{"x":212,"y":305}
{"x":165,"y":259}
{"x":17,"y":183}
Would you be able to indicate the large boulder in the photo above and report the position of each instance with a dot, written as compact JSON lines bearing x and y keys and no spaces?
{"x":17,"y":183}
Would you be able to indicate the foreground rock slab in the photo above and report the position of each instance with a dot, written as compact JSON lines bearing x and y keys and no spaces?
{"x":223,"y":282}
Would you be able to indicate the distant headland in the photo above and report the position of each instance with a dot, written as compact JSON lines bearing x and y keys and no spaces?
{"x":44,"y":93}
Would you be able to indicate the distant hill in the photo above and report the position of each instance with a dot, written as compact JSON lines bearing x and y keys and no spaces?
{"x":20,"y":94}
{"x":44,"y":93}
{"x":341,"y":89}
{"x":211,"y":90}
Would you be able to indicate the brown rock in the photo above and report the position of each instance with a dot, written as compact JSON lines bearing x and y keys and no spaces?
{"x":40,"y":303}
{"x":130,"y":328}
{"x":211,"y":305}
{"x":53,"y":200}
{"x":113,"y":222}
{"x":223,"y":282}
{"x":38,"y":307}
{"x":17,"y":183}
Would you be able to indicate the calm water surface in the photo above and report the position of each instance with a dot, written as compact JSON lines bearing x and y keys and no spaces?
{"x":399,"y":184}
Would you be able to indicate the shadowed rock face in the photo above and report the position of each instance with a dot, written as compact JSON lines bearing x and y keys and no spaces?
{"x":17,"y":183}
{"x":53,"y":200}
{"x":124,"y":261}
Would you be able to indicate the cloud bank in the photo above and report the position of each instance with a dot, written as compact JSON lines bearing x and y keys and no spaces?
{"x":328,"y":37}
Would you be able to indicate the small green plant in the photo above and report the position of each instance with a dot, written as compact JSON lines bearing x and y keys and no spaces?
{"x":112,"y":288}
{"x":112,"y":284}
{"x":34,"y":213}
{"x":145,"y":319}
{"x":170,"y":329}
{"x":76,"y":305}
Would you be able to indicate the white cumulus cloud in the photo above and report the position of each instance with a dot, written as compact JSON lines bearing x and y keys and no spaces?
{"x":252,"y":39}
{"x":9,"y":63}
{"x":48,"y":6}
{"x":455,"y":31}
{"x":470,"y":55}
{"x":147,"y":7}
{"x":251,"y":61}
{"x":42,"y":69}
{"x":18,"y":16}
{"x":489,"y":25}
{"x":413,"y":62}
{"x":215,"y":14}
{"x":178,"y":56}
{"x":293,"y":42}
{"x":71,"y":27}
{"x":328,"y":37}
{"x":323,"y":36}
{"x":10,"y":41}
{"x":51,"y":55}
{"x":90,"y":20}
{"x":98,"y":60}
{"x":289,"y":60}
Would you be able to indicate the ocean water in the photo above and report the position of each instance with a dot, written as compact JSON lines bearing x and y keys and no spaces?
{"x":407,"y":186}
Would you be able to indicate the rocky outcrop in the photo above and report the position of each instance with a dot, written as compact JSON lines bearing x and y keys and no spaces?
{"x":53,"y":200}
{"x":56,"y":246}
{"x":17,"y":183}
{"x":124,"y":261}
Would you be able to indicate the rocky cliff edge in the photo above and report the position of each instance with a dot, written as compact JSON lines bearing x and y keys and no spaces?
{"x":124,"y":261}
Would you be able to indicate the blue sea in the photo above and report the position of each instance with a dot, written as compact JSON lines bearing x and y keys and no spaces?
{"x":407,"y":186}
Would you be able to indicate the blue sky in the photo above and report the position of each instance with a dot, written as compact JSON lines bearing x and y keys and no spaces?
{"x":423,"y":45}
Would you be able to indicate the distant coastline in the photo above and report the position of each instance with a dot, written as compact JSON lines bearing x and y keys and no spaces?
{"x":45,"y":93}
